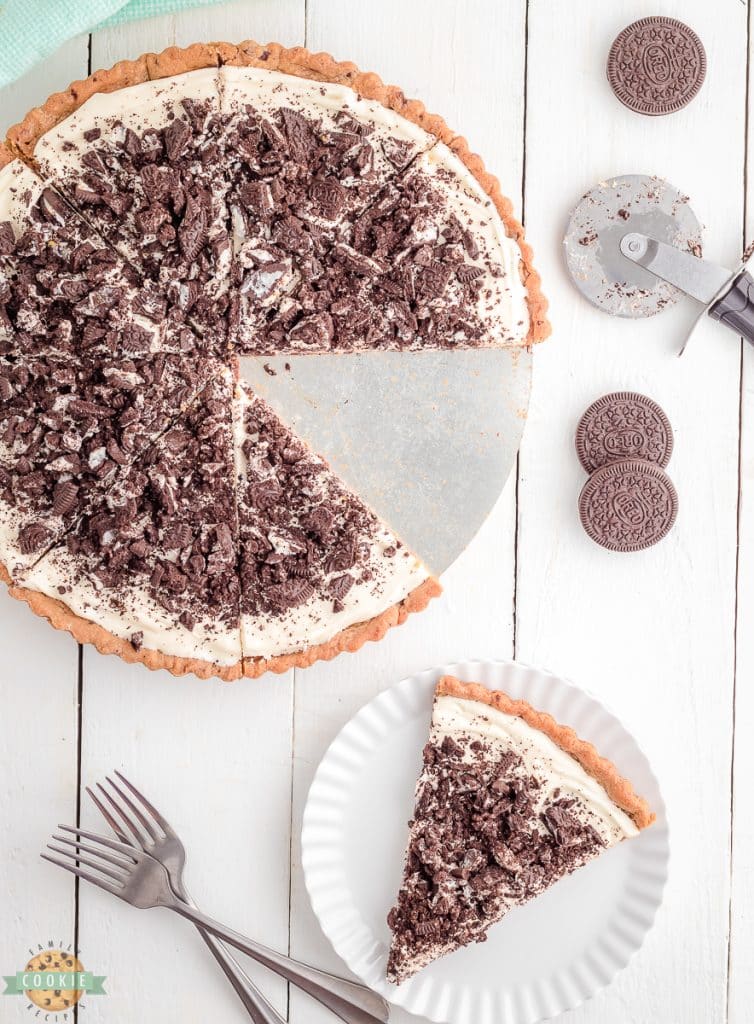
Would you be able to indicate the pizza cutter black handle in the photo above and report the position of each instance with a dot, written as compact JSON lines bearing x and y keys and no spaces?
{"x":736,"y":308}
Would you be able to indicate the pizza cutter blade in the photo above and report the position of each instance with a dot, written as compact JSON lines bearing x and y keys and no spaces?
{"x":600,"y":270}
{"x":633,"y":247}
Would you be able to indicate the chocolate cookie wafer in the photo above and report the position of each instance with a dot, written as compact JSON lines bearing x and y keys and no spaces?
{"x":623,"y":425}
{"x":628,"y":505}
{"x":656,"y":65}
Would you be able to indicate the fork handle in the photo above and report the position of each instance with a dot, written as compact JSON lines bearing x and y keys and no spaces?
{"x":352,"y":1002}
{"x":259,"y":1010}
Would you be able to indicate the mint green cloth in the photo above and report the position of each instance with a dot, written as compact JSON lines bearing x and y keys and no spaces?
{"x":31,"y":30}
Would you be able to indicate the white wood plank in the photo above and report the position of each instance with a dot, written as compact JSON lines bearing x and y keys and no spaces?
{"x":38,"y":757}
{"x":651,"y":633}
{"x":451,"y":62}
{"x":216,"y":758}
{"x":264,"y":20}
{"x":39,"y":695}
{"x":741,"y":980}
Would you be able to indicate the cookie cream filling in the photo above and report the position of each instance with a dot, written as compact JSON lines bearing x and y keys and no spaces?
{"x":130,"y":612}
{"x":398,"y":139}
{"x":148,"y":105}
{"x":315,"y":621}
{"x":501,"y":304}
{"x":552,"y":766}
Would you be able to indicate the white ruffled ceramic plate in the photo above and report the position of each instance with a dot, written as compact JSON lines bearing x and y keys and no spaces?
{"x":544,"y":958}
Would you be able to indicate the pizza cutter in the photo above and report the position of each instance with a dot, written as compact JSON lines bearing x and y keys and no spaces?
{"x":633,"y":247}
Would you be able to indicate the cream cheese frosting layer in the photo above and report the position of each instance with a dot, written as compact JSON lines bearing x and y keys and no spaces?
{"x":501,"y":304}
{"x":148,"y":105}
{"x":395,"y":140}
{"x":553,"y":767}
{"x":19,"y":188}
{"x":131,"y":613}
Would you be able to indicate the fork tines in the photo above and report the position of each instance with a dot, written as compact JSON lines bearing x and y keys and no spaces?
{"x":97,"y":853}
{"x":141,"y":829}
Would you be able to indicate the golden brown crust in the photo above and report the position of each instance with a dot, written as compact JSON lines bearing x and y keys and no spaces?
{"x":6,"y":157}
{"x":60,"y":616}
{"x":178,"y":60}
{"x":351,"y":638}
{"x":619,"y":789}
{"x":24,"y":136}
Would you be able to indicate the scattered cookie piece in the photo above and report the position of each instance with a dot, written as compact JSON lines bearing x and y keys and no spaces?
{"x":623,"y":425}
{"x":656,"y":65}
{"x":628,"y":506}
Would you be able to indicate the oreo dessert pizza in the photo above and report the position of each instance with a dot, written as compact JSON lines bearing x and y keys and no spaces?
{"x":158,"y":221}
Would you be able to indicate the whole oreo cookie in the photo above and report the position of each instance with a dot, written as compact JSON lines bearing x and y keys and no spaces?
{"x":628,"y":506}
{"x":623,"y":425}
{"x":656,"y":65}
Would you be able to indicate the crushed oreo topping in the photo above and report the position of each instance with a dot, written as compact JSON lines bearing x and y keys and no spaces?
{"x":168,"y":528}
{"x":303,"y":533}
{"x":483,"y":840}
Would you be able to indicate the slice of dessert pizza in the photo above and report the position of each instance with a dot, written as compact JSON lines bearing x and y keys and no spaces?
{"x":320,"y":572}
{"x":150,"y":571}
{"x":431,"y":263}
{"x":328,"y":254}
{"x":141,"y":162}
{"x":89,"y":376}
{"x":508,"y":802}
{"x":306,"y":158}
{"x":451,"y":270}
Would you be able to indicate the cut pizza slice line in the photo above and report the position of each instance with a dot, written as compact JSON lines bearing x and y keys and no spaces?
{"x":55,"y":270}
{"x":431,"y":263}
{"x":143,"y":165}
{"x":65,"y":289}
{"x":450,"y":273}
{"x":320,"y":572}
{"x":68,"y":430}
{"x":150,"y":572}
{"x":508,"y":802}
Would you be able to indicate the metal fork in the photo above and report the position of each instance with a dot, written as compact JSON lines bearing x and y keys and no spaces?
{"x":168,"y":849}
{"x":136,"y":877}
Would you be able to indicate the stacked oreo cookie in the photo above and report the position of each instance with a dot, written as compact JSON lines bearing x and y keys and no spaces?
{"x":624,"y":441}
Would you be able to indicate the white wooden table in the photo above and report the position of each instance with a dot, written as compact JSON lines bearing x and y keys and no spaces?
{"x":664,"y":637}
